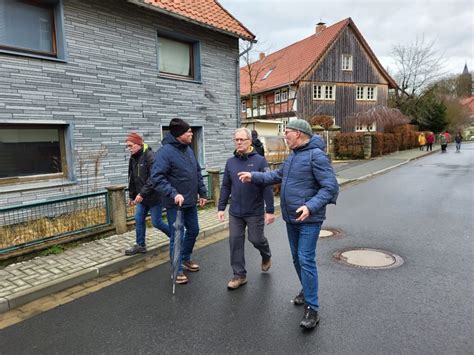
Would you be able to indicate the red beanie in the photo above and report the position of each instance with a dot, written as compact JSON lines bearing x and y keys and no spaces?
{"x":135,"y":138}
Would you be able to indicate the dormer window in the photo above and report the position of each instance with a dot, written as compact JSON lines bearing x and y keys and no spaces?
{"x":347,"y":62}
{"x":267,"y":74}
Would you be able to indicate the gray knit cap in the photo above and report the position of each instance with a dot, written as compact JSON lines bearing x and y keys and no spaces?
{"x":300,"y":125}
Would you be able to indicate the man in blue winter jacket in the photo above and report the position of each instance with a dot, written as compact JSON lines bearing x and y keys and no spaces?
{"x":251,"y":207}
{"x":176,"y":175}
{"x":308,"y":184}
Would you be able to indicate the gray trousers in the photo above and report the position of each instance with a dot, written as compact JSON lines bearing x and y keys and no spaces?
{"x":255,"y":226}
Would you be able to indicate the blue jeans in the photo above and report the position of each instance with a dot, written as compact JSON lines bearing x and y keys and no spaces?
{"x":140,"y":218}
{"x":303,"y":239}
{"x":188,"y":238}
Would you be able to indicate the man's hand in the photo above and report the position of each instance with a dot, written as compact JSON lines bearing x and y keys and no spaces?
{"x":131,"y":202}
{"x":269,"y":218}
{"x":179,"y":199}
{"x":220,"y":216}
{"x":138,"y":199}
{"x":245,"y":176}
{"x":202,"y":202}
{"x":304,"y":215}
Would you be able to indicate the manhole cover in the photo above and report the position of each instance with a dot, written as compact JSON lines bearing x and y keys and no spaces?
{"x":324,"y":233}
{"x":368,"y":258}
{"x":329,"y":232}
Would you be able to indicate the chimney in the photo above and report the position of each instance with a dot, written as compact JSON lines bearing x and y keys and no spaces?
{"x":261,"y":56}
{"x":320,"y":27}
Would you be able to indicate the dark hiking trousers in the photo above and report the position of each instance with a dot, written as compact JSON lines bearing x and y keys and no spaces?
{"x":255,"y":226}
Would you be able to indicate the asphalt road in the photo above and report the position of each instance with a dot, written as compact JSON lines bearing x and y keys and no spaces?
{"x":422,"y":211}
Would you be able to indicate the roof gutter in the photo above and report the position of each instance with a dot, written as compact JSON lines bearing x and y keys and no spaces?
{"x":187,"y":19}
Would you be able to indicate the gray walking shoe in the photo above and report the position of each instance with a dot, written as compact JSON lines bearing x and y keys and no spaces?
{"x":310,"y":318}
{"x":135,"y":250}
{"x":299,"y":299}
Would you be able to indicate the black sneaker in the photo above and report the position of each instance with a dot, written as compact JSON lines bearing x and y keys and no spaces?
{"x":135,"y":250}
{"x":299,"y":299}
{"x":310,"y":318}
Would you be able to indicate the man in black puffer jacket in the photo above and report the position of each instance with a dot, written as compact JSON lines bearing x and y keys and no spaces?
{"x":141,"y":192}
{"x":251,"y":207}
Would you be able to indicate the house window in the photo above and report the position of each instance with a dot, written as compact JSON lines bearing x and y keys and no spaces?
{"x":366,"y":93}
{"x":347,"y":62}
{"x":244,"y":106}
{"x":178,"y":58}
{"x":255,"y":102}
{"x":329,"y":92}
{"x":284,"y":96}
{"x":318,"y":92}
{"x":324,"y":92}
{"x":365,"y":128}
{"x":35,"y":151}
{"x":370,"y":93}
{"x":277,"y":97}
{"x":33,"y":28}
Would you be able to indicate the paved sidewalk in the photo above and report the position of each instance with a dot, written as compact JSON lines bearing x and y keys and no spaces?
{"x":26,"y":281}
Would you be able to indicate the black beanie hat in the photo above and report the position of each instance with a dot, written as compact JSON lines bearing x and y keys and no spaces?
{"x":178,"y":127}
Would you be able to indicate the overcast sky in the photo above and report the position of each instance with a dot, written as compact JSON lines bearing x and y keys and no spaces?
{"x":383,"y":23}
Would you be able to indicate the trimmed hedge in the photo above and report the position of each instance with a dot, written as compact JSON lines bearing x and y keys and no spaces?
{"x":349,"y":145}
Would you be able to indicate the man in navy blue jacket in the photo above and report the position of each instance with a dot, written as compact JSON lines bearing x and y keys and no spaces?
{"x":176,"y":175}
{"x":251,"y":207}
{"x":308,"y":184}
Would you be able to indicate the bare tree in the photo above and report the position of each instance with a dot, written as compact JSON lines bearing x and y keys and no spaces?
{"x":253,"y":68}
{"x":417,"y":66}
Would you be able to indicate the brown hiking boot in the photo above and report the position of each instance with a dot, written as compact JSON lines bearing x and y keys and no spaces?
{"x":266,"y":264}
{"x":181,"y":279}
{"x":190,"y":266}
{"x":236,"y":282}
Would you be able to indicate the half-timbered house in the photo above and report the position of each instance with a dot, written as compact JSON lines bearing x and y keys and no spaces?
{"x":332,"y":73}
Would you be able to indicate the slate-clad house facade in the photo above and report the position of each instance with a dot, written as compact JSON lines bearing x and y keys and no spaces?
{"x":331,"y":73}
{"x":77,"y":75}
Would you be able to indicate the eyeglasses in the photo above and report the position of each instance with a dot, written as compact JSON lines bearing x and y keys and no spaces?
{"x":129,"y":146}
{"x":288,"y":132}
{"x":237,"y":140}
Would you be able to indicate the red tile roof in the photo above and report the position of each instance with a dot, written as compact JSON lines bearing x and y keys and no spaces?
{"x":468,"y":103}
{"x":203,"y":12}
{"x":290,"y":64}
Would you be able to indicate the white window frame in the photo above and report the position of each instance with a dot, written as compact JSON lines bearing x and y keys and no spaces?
{"x":324,"y":92}
{"x":277,"y":98}
{"x":363,"y":128}
{"x":346,"y":62}
{"x":283,"y":95}
{"x":366,"y":93}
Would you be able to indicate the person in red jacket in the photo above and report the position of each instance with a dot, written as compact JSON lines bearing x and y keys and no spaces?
{"x":430,"y":138}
